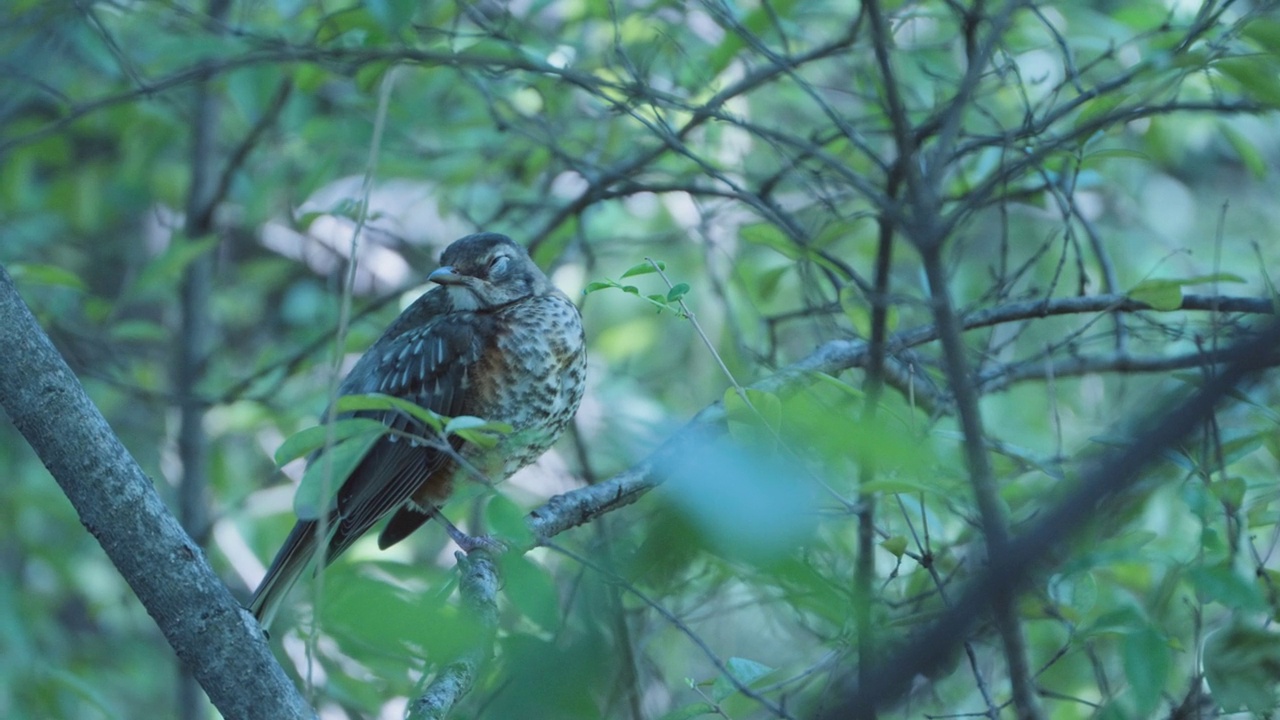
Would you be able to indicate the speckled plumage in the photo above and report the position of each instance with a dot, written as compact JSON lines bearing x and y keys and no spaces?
{"x":495,"y":340}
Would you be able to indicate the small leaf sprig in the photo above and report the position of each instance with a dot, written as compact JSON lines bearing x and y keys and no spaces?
{"x":669,"y":301}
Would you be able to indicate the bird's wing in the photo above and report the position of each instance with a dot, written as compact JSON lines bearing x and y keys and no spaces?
{"x":430,"y":365}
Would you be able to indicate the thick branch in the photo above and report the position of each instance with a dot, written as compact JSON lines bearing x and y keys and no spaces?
{"x":115,"y":500}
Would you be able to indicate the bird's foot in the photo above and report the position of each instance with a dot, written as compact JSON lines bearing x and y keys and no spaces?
{"x":471,"y":542}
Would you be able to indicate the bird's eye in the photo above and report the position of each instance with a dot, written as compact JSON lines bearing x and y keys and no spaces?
{"x":498,"y":264}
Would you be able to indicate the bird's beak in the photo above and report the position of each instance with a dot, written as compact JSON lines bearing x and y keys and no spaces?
{"x":445,"y":276}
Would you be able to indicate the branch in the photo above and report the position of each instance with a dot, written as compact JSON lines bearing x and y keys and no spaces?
{"x":117,"y":502}
{"x":478,"y":587}
{"x":580,"y":506}
{"x":1110,"y":474}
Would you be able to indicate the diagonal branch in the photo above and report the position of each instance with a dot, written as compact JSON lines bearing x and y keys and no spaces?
{"x":117,"y":502}
{"x":1110,"y":474}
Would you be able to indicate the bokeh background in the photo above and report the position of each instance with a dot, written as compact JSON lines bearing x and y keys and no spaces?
{"x":197,"y":199}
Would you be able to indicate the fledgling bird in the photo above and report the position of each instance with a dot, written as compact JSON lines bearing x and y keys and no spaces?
{"x":495,"y":340}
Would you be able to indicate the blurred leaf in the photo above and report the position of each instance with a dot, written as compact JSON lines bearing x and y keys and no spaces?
{"x":394,"y":15}
{"x":859,"y":313}
{"x":769,"y":235}
{"x":1248,"y":153}
{"x":45,"y":275}
{"x":1166,"y":295}
{"x":326,"y":473}
{"x":1272,"y":293}
{"x":139,"y":331}
{"x":755,"y":421}
{"x":897,"y":545}
{"x":307,"y":441}
{"x":1229,"y":492}
{"x":697,"y":709}
{"x":508,"y":521}
{"x":747,"y":504}
{"x":531,"y":588}
{"x":1146,"y":665}
{"x":745,"y":671}
{"x":161,"y":276}
{"x":1264,"y":30}
{"x":1115,"y":152}
{"x":378,"y":401}
{"x":1241,"y":664}
{"x":1222,"y":584}
{"x":1258,"y":75}
{"x":1159,"y":294}
{"x":374,"y":618}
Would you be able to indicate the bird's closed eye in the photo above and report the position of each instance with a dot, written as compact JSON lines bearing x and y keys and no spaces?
{"x":498,"y":264}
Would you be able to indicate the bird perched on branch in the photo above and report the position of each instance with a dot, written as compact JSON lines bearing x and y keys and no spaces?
{"x":495,"y":340}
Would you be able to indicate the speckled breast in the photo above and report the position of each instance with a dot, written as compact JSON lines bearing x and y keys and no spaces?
{"x":539,"y":352}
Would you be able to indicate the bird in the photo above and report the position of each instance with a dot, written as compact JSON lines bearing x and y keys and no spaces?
{"x":493,"y":339}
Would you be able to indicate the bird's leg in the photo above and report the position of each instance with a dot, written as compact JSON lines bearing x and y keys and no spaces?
{"x":465,"y":541}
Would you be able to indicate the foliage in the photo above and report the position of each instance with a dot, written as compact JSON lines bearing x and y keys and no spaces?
{"x":1080,"y":167}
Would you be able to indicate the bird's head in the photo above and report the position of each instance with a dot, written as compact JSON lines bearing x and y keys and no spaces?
{"x":488,"y":270}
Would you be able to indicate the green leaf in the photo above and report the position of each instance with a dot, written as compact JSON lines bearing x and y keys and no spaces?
{"x":1146,"y":664}
{"x":755,"y":421}
{"x":643,"y":268}
{"x":1241,"y":664}
{"x":1258,"y":75}
{"x":139,"y":331}
{"x":307,"y":441}
{"x":531,"y":590}
{"x":898,"y":486}
{"x":745,"y":671}
{"x":698,"y":709}
{"x":896,"y":545}
{"x":326,"y":474}
{"x":1108,"y":153}
{"x":769,"y":235}
{"x":394,"y":15}
{"x":597,"y":286}
{"x":45,"y":275}
{"x":477,"y":431}
{"x":677,"y":292}
{"x":161,"y":276}
{"x":378,"y":401}
{"x":767,"y":284}
{"x":1223,"y":584}
{"x":1248,"y":153}
{"x":508,"y":521}
{"x":471,"y":422}
{"x":1159,"y":294}
{"x":1266,"y":278}
{"x":1166,"y":294}
{"x":1230,"y":492}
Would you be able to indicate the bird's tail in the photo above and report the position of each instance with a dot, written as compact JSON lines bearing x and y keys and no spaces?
{"x":295,"y":556}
